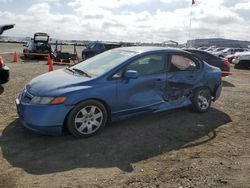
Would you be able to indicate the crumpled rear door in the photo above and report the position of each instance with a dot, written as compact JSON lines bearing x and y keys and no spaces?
{"x":181,"y":81}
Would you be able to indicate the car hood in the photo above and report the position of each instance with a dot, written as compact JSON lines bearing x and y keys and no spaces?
{"x":57,"y":83}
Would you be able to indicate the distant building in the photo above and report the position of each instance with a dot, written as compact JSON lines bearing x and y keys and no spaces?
{"x":170,"y":43}
{"x":219,"y":42}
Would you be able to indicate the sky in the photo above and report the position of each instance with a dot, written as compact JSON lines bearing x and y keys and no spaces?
{"x":128,"y":20}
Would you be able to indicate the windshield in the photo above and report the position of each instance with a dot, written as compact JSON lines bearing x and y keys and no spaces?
{"x":91,"y":45}
{"x":41,"y":38}
{"x":104,"y":62}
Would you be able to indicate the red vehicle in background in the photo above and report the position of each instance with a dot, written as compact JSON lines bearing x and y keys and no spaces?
{"x":4,"y":70}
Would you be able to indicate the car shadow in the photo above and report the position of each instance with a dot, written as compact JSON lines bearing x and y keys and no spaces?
{"x":227,"y":84}
{"x":119,"y":145}
{"x":1,"y":89}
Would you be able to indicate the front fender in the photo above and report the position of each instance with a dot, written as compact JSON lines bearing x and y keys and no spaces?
{"x":105,"y":92}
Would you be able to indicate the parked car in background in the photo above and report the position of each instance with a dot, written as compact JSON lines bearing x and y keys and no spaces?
{"x":5,"y":27}
{"x":114,"y":85}
{"x":213,"y":60}
{"x":209,"y":49}
{"x":202,"y":48}
{"x":242,"y":60}
{"x":38,"y":46}
{"x":228,"y":51}
{"x":216,"y":50}
{"x":98,"y":47}
{"x":4,"y":70}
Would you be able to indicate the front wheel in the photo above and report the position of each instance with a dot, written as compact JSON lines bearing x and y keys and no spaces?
{"x":202,"y":100}
{"x":87,"y":119}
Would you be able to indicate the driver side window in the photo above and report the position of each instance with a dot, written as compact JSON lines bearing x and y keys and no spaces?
{"x":149,"y":64}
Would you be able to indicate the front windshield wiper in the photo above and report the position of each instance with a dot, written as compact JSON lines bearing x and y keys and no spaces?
{"x":69,"y":69}
{"x":81,"y":72}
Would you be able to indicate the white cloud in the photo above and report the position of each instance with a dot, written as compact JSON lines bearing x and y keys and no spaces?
{"x":100,"y":20}
{"x":242,"y":6}
{"x":40,"y":8}
{"x":174,"y":1}
{"x":89,"y":4}
{"x":5,"y":1}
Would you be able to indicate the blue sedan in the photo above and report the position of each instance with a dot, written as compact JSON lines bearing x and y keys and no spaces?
{"x":114,"y":85}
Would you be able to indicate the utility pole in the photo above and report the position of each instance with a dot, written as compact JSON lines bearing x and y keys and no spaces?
{"x":190,"y":23}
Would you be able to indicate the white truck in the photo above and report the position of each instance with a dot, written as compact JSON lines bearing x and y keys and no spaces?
{"x":242,"y":60}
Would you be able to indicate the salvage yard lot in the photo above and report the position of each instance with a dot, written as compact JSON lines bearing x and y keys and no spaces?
{"x":178,"y":148}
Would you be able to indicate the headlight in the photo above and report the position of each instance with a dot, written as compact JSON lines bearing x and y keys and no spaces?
{"x":48,"y":100}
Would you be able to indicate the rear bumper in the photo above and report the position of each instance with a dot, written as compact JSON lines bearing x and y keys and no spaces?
{"x":4,"y":74}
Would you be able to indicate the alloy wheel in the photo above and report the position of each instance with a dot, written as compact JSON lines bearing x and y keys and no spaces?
{"x":203,"y":101}
{"x":88,"y":119}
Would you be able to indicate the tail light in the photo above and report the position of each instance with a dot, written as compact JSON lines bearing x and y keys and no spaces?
{"x":226,"y":62}
{"x":1,"y":61}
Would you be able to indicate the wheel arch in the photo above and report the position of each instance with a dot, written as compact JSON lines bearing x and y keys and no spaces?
{"x":204,"y":87}
{"x":64,"y":129}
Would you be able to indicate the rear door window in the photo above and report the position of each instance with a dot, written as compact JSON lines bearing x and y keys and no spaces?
{"x":182,"y":63}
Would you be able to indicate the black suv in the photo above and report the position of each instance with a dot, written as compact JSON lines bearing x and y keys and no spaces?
{"x":39,"y":45}
{"x":98,"y":47}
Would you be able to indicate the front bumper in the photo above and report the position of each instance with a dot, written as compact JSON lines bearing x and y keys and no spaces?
{"x":4,"y":74}
{"x":42,"y":119}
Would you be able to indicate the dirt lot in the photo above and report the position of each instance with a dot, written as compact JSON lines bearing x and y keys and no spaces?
{"x":171,"y":149}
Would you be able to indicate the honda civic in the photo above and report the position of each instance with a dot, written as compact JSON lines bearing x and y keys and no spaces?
{"x":114,"y":85}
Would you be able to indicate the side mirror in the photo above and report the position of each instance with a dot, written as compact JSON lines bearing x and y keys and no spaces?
{"x":131,"y":74}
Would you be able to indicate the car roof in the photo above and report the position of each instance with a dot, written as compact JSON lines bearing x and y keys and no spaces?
{"x":144,"y":49}
{"x":199,"y":51}
{"x":41,"y":34}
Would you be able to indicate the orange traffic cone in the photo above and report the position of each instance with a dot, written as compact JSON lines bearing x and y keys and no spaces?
{"x":50,"y":63}
{"x":15,"y":57}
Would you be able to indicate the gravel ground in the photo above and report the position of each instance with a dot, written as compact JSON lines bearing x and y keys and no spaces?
{"x":178,"y":149}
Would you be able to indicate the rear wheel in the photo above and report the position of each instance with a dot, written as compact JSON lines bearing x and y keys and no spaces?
{"x":202,"y":100}
{"x":87,"y":119}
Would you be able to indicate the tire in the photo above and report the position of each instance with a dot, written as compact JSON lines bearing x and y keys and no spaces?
{"x":201,"y":101}
{"x":87,"y":119}
{"x":83,"y":57}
